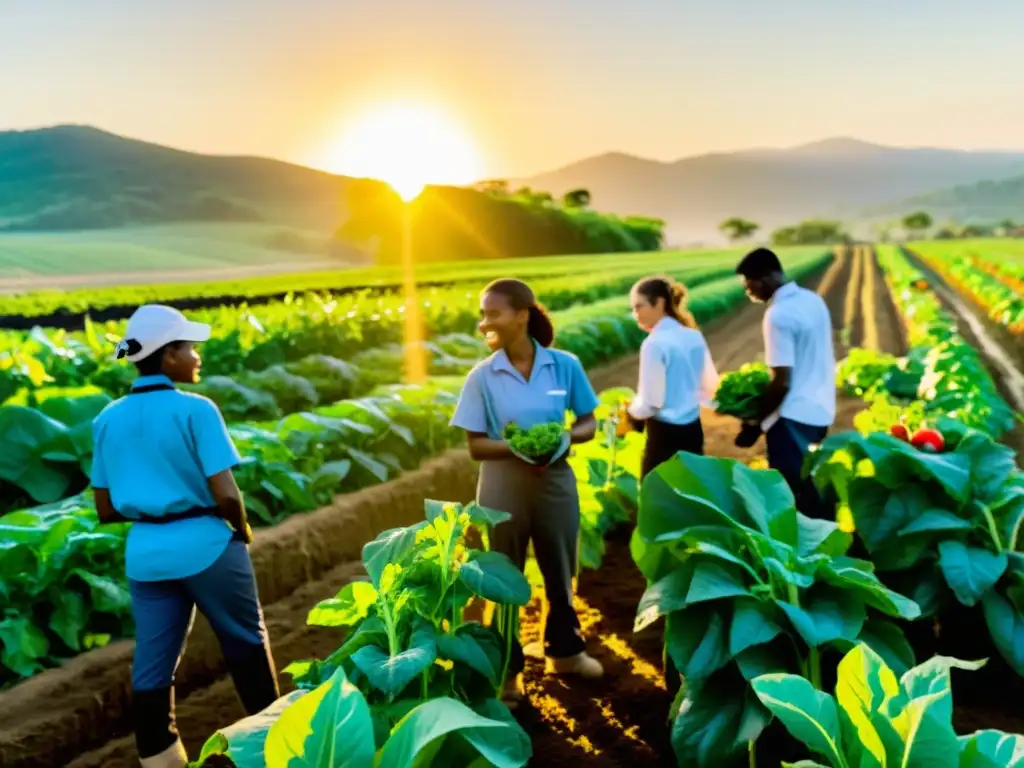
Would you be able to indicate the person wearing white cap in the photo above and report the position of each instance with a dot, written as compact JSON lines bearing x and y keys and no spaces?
{"x":163,"y":460}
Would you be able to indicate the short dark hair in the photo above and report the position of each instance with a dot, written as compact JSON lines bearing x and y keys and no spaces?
{"x":520,"y":296}
{"x":759,"y":263}
{"x":151,"y":365}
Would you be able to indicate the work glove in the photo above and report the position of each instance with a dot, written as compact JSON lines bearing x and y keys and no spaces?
{"x":748,"y":435}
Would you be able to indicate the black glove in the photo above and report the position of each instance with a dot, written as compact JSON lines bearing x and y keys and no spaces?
{"x":748,"y":435}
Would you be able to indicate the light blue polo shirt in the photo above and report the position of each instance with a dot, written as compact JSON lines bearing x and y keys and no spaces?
{"x":154,"y":452}
{"x":557,"y":384}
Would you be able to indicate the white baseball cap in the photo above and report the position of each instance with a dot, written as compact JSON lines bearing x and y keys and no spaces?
{"x":154,"y":326}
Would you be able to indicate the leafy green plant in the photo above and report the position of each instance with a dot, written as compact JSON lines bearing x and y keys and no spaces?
{"x":938,"y":526}
{"x":332,"y":727}
{"x":740,"y":392}
{"x":410,"y":613}
{"x":876,"y":719}
{"x":747,"y":585}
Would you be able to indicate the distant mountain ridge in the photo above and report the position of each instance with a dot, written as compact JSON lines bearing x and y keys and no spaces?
{"x":78,"y":177}
{"x":838,"y":177}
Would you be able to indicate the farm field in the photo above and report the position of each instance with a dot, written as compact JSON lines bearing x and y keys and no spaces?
{"x":32,"y":260}
{"x":57,"y":303}
{"x":880,"y":311}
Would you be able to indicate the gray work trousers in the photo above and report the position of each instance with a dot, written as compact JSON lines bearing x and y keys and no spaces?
{"x":545,"y":507}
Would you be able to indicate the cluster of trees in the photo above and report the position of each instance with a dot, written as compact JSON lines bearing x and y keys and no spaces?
{"x":488,"y":221}
{"x":920,"y":225}
{"x":809,"y":232}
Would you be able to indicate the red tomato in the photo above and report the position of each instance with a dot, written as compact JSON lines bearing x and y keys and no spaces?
{"x":898,"y":430}
{"x":929,"y":440}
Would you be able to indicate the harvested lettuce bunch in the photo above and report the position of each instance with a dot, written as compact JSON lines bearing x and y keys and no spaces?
{"x":538,"y":441}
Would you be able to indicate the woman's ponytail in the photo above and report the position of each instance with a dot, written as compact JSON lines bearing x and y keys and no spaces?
{"x":672,"y":293}
{"x":520,"y":296}
{"x":540,"y":326}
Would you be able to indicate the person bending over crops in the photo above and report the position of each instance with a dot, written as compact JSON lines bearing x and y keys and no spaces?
{"x":513,"y":407}
{"x":677,"y":373}
{"x":162,"y":461}
{"x":799,"y":405}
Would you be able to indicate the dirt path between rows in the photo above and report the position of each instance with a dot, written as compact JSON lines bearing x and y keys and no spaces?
{"x":562,"y":718}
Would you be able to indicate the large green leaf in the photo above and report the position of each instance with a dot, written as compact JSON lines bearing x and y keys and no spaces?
{"x":244,"y":741}
{"x":991,"y":749}
{"x":394,"y":546}
{"x":1006,"y":625}
{"x":697,"y":642}
{"x":767,"y":501}
{"x":895,"y":460}
{"x":970,"y":571}
{"x":715,"y":723}
{"x":991,"y":465}
{"x":664,"y":596}
{"x":753,"y":623}
{"x":418,"y":741}
{"x":348,"y":607}
{"x":712,"y":581}
{"x":475,"y":646}
{"x":391,"y":674}
{"x":687,"y":491}
{"x":863,"y":687}
{"x":808,"y":714}
{"x":871,"y":591}
{"x":823,"y":619}
{"x":493,"y":576}
{"x":329,"y":727}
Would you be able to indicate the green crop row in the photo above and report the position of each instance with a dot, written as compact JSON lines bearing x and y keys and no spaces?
{"x":289,"y":467}
{"x":384,"y":279}
{"x":258,"y":338}
{"x":978,"y":278}
{"x":942,"y":374}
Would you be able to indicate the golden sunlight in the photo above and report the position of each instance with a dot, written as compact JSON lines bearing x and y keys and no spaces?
{"x":408,"y":145}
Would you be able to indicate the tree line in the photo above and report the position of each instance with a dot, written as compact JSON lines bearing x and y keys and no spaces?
{"x":488,"y":221}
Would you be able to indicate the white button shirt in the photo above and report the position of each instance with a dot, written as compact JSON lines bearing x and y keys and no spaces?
{"x":798,"y":335}
{"x":677,"y":374}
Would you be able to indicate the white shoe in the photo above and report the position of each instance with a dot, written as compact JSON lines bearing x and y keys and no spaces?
{"x":174,"y":756}
{"x":582,"y":664}
{"x":534,"y":650}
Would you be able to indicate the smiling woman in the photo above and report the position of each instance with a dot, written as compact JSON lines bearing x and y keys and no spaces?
{"x":408,"y":146}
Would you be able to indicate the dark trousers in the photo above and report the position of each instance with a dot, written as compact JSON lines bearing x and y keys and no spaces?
{"x":665,"y":440}
{"x":545,"y":508}
{"x":788,"y":443}
{"x":164,"y":612}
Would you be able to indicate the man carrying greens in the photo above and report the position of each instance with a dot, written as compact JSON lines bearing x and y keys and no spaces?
{"x":800,"y":404}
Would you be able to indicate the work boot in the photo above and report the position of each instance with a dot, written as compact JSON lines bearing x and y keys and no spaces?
{"x":156,"y":732}
{"x":582,"y":664}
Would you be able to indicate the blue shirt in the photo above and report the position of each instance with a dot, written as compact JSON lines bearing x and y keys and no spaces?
{"x":154,"y":451}
{"x":557,"y":384}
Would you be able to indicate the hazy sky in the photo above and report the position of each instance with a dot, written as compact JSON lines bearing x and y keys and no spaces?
{"x":537,"y":83}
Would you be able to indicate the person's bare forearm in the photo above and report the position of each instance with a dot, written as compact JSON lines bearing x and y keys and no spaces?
{"x":486,"y":449}
{"x":583,"y":430}
{"x":233,"y":511}
{"x":776,"y":393}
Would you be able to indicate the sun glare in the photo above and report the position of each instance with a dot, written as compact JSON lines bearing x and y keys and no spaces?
{"x":408,"y":146}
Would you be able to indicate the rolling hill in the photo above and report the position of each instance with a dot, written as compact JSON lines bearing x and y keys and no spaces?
{"x":70,"y":178}
{"x":839,"y":177}
{"x":984,"y":201}
{"x":76,"y":177}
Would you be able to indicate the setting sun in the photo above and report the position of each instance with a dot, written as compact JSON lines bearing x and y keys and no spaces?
{"x":408,"y":146}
